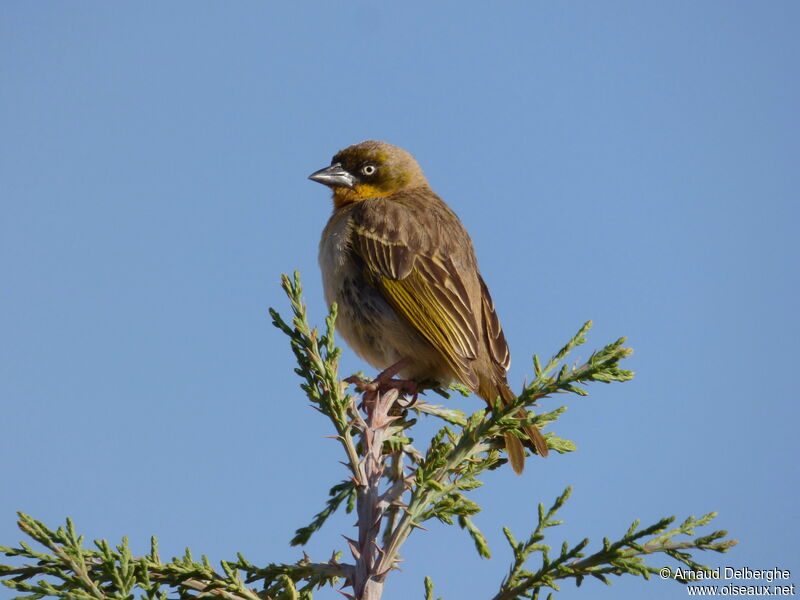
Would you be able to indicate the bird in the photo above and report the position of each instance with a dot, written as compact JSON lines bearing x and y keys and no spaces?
{"x":402,"y":270}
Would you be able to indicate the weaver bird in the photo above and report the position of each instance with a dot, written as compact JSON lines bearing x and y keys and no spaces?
{"x":401,"y":267}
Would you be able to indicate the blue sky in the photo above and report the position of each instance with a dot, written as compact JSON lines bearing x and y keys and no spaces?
{"x":634,"y":163}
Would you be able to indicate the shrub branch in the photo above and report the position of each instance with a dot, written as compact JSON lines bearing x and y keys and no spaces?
{"x":393,"y":487}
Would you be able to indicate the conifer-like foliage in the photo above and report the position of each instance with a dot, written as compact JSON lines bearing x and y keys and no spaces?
{"x":393,"y":486}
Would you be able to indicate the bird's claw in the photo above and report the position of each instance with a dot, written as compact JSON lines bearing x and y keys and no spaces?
{"x":384,"y":382}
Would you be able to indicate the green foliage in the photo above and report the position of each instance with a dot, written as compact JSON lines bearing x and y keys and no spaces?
{"x":346,"y":490}
{"x":429,"y":589}
{"x":72,"y":571}
{"x":623,"y":557}
{"x":393,"y":487}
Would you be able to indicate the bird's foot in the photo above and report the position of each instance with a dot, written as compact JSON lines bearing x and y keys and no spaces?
{"x":385,"y":381}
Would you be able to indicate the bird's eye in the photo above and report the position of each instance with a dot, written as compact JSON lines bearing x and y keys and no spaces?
{"x":369,"y":170}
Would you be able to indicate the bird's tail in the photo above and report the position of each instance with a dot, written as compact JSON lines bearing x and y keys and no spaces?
{"x":516,"y":452}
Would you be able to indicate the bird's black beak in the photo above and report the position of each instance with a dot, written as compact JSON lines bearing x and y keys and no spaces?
{"x":333,"y":176}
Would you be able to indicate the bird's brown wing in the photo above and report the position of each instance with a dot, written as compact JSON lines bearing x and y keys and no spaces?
{"x":418,"y":277}
{"x":420,"y":282}
{"x":493,"y":331}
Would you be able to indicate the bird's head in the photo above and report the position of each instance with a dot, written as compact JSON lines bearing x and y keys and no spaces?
{"x":369,"y":170}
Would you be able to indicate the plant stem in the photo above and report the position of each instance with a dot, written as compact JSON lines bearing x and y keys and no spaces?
{"x":368,"y":577}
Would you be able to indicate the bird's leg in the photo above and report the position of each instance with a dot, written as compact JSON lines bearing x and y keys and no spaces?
{"x":384,"y":381}
{"x":393,"y":370}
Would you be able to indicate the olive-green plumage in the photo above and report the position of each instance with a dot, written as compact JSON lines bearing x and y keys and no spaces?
{"x":401,"y":267}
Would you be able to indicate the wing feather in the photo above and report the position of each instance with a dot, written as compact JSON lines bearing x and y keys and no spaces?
{"x":495,"y":338}
{"x":423,"y":286}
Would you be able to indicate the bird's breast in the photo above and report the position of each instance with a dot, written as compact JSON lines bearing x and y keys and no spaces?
{"x":365,"y":319}
{"x":334,"y":259}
